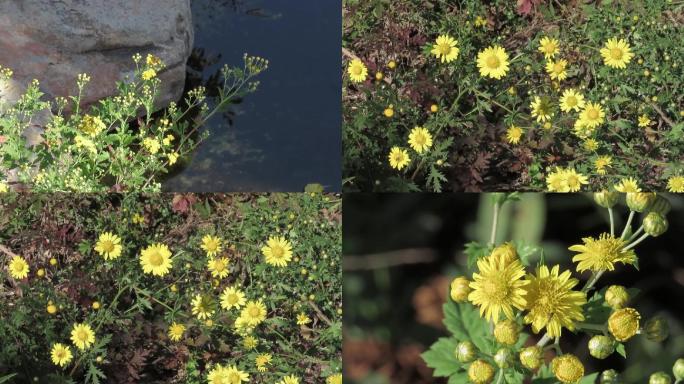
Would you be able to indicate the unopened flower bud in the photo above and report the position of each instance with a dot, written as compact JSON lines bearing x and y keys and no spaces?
{"x":624,"y":323}
{"x":530,"y":357}
{"x":660,"y":378}
{"x":661,"y":205}
{"x":460,"y":288}
{"x":567,"y":368}
{"x":655,"y":224}
{"x":503,"y":358}
{"x":480,"y":372}
{"x":606,"y":199}
{"x":639,"y":201}
{"x":616,"y":296}
{"x":678,"y":369}
{"x":507,"y":251}
{"x":656,"y":329}
{"x":465,"y":351}
{"x":506,"y":332}
{"x":601,"y":346}
{"x":609,"y":377}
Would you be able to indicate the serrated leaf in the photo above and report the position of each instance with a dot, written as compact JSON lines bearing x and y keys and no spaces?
{"x":620,"y":348}
{"x":595,"y":310}
{"x":525,"y":251}
{"x":464,"y":322}
{"x":458,"y":378}
{"x":441,"y":358}
{"x":474,"y":251}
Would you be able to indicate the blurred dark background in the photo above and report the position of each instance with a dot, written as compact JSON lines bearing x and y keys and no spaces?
{"x":401,"y":250}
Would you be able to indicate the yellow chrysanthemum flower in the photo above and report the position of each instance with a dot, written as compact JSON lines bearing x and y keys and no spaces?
{"x":156,"y":259}
{"x":445,"y":48}
{"x":420,"y":139}
{"x":173,"y":158}
{"x":217,"y":375}
{"x":303,"y":319}
{"x":551,"y":302}
{"x":82,"y":336}
{"x":565,"y":180}
{"x":602,"y":253}
{"x":262,"y":360}
{"x":616,"y":53}
{"x":601,"y":163}
{"x":176,"y":331}
{"x":574,"y":180}
{"x":61,"y":354}
{"x":138,"y":219}
{"x":211,"y":245}
{"x":202,"y":306}
{"x":480,"y":372}
{"x":627,"y":185}
{"x":498,"y":287}
{"x":592,"y":115}
{"x":548,"y":46}
{"x":235,"y":376}
{"x":254,"y":312}
{"x":556,"y":69}
{"x":277,"y":251}
{"x":83,"y":142}
{"x":334,"y":379}
{"x":218,"y":266}
{"x":567,"y":368}
{"x":513,"y":134}
{"x":108,"y":246}
{"x":480,"y":21}
{"x":644,"y":121}
{"x":571,"y":100}
{"x":675,"y":184}
{"x":624,"y":323}
{"x":232,"y":297}
{"x":506,"y":332}
{"x":152,"y":145}
{"x":590,"y":145}
{"x":493,"y":62}
{"x":358,"y":72}
{"x":398,"y":158}
{"x":291,"y":379}
{"x":4,"y":188}
{"x":18,"y":267}
{"x":149,"y":74}
{"x":249,"y":342}
{"x":92,"y":125}
{"x":541,"y":109}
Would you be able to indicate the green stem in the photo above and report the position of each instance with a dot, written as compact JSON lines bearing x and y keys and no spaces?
{"x":637,"y":241}
{"x":637,"y":233}
{"x":545,"y":339}
{"x":592,"y":280}
{"x":495,"y":222}
{"x":593,"y":327}
{"x":628,"y":225}
{"x":612,"y":222}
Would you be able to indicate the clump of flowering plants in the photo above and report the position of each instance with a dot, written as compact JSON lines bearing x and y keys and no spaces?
{"x":507,"y":319}
{"x":119,"y":144}
{"x":505,"y":95}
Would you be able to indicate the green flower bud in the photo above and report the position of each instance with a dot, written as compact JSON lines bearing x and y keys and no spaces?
{"x":506,"y":332}
{"x":480,"y":372}
{"x":609,"y":377}
{"x":660,"y":378}
{"x":624,"y":323}
{"x":661,"y":205}
{"x":530,"y":357}
{"x":656,"y":329}
{"x":460,"y":288}
{"x":678,"y":369}
{"x":606,"y":199}
{"x":601,"y":346}
{"x":616,"y":296}
{"x":507,"y":251}
{"x":465,"y":351}
{"x":639,"y":201}
{"x":655,"y":224}
{"x":503,"y":358}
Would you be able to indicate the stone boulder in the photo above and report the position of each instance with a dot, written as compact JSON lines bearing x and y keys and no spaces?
{"x":55,"y":40}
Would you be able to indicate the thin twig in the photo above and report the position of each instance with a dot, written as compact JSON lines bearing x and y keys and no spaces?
{"x":320,"y":313}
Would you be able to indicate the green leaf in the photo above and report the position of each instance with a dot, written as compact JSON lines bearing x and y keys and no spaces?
{"x":525,"y":251}
{"x":441,"y":357}
{"x":589,"y":379}
{"x":458,"y":378}
{"x":6,"y":378}
{"x":474,"y":251}
{"x":464,"y":321}
{"x":595,"y":310}
{"x":620,"y":348}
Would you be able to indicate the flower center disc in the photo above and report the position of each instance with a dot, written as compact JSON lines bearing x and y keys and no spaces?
{"x":493,"y":62}
{"x":571,"y":101}
{"x":444,"y":49}
{"x":156,"y":259}
{"x":558,"y":67}
{"x":593,"y":114}
{"x":616,"y":53}
{"x":108,"y":246}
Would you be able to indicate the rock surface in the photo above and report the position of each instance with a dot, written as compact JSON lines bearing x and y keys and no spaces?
{"x":55,"y":40}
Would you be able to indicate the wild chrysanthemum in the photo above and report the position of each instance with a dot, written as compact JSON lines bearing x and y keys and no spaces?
{"x":218,"y":266}
{"x":277,"y":251}
{"x":624,"y":323}
{"x":420,"y":139}
{"x":303,"y":319}
{"x":601,"y":163}
{"x":398,"y":158}
{"x":357,"y":71}
{"x":556,"y":69}
{"x":235,"y":376}
{"x":602,"y":253}
{"x":108,"y":246}
{"x":254,"y":312}
{"x":498,"y":287}
{"x":176,"y":331}
{"x":574,"y":180}
{"x":445,"y":48}
{"x":334,"y":379}
{"x":82,"y":336}
{"x":249,"y":342}
{"x":627,"y":185}
{"x":493,"y":62}
{"x":676,"y":184}
{"x":644,"y":121}
{"x":507,"y":332}
{"x":61,"y":354}
{"x":616,"y":53}
{"x":152,"y":145}
{"x":541,"y":109}
{"x":592,"y":115}
{"x":480,"y":372}
{"x":551,"y":302}
{"x":571,"y":100}
{"x":149,"y":74}
{"x":232,"y":297}
{"x":156,"y":259}
{"x":4,"y":188}
{"x":18,"y":267}
{"x":556,"y":181}
{"x":203,"y":306}
{"x":567,"y":368}
{"x":291,"y":379}
{"x":211,"y":245}
{"x":217,"y":375}
{"x":590,"y":145}
{"x":92,"y":125}
{"x":548,"y":46}
{"x":262,"y":360}
{"x":513,"y":134}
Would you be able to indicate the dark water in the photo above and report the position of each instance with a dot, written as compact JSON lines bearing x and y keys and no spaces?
{"x":287,"y":134}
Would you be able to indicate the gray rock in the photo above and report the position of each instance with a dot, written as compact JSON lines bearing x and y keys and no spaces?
{"x":55,"y":40}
